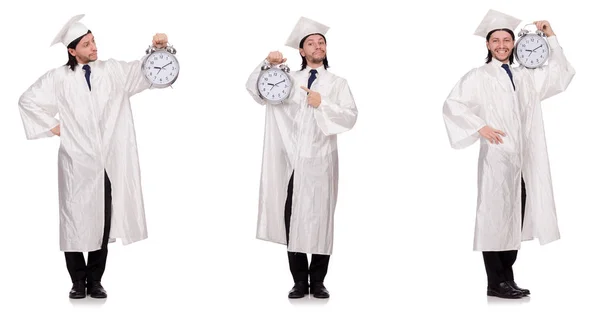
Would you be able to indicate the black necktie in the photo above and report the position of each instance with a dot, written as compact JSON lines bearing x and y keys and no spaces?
{"x":507,"y":68}
{"x":313,"y":76}
{"x":87,"y":75}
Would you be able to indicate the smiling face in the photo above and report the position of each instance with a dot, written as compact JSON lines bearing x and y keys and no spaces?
{"x":86,"y":50}
{"x":501,"y":44}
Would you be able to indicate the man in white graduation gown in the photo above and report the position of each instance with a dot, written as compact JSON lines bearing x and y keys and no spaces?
{"x":501,"y":106}
{"x":299,"y":181}
{"x":100,"y":195}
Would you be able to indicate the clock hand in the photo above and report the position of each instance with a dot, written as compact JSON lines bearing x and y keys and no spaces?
{"x":270,"y":84}
{"x":161,"y":68}
{"x":537,"y":48}
{"x":280,"y":82}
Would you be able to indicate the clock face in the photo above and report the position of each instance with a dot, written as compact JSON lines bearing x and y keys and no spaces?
{"x":161,"y":68}
{"x":532,"y":51}
{"x":274,"y":85}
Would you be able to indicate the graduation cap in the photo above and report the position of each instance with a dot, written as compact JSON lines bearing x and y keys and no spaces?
{"x":71,"y":31}
{"x":495,"y":20}
{"x":303,"y":28}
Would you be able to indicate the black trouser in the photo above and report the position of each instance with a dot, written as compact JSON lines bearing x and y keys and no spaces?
{"x":298,"y":260}
{"x":96,"y":259}
{"x":498,"y":264}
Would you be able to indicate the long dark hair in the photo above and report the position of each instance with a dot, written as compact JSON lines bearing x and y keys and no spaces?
{"x":304,"y":62}
{"x":72,"y":63}
{"x":511,"y":57}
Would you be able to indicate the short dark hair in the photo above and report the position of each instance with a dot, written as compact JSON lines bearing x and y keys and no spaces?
{"x":511,"y":57}
{"x":304,"y":63}
{"x":72,"y":63}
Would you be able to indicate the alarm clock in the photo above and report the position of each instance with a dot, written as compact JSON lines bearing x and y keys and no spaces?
{"x":531,"y":49}
{"x":274,"y":83}
{"x":160,"y":66}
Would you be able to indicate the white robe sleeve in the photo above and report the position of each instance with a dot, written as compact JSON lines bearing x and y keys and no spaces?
{"x":556,"y":76}
{"x":251,"y":85}
{"x":461,"y":112}
{"x":337,"y":112}
{"x":134,"y":80}
{"x":38,"y":107}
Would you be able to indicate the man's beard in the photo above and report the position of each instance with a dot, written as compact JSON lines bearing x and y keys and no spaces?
{"x":87,"y":59}
{"x":315,"y":60}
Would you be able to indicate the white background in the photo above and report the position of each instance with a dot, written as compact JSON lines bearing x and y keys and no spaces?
{"x":406,"y":209}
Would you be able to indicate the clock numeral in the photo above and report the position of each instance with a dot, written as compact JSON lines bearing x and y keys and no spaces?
{"x":150,"y":74}
{"x":161,"y":56}
{"x":266,"y":79}
{"x":264,"y":89}
{"x":283,"y":91}
{"x":151,"y":63}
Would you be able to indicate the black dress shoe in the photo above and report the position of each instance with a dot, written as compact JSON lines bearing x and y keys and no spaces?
{"x":78,"y":290}
{"x":318,"y":290}
{"x":514,"y":285}
{"x":299,"y":290}
{"x":96,"y":290}
{"x":504,"y":290}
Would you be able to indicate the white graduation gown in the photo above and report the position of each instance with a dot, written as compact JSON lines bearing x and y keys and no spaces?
{"x":97,"y":133}
{"x":303,"y":139}
{"x":485,"y":96}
